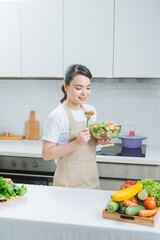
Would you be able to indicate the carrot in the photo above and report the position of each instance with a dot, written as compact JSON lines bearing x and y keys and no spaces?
{"x":90,"y":112}
{"x":128,"y":203}
{"x":147,"y":213}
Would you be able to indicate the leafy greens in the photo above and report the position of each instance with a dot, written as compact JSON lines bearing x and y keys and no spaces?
{"x":152,"y":187}
{"x":8,"y":189}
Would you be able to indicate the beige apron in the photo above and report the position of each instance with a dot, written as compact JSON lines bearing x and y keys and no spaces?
{"x":78,"y":169}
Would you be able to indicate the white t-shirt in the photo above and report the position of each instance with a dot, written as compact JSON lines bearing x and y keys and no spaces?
{"x":57,"y":126}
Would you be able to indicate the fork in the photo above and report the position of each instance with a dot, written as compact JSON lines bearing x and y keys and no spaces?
{"x":88,"y":117}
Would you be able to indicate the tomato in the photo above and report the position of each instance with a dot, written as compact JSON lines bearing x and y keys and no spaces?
{"x":134,"y":200}
{"x":149,"y":203}
{"x":113,"y":129}
{"x":153,"y":198}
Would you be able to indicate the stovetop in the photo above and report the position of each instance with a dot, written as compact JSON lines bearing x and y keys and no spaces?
{"x":118,"y":150}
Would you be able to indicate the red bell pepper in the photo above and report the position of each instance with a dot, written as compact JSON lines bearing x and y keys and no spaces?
{"x":128,"y":184}
{"x":125,"y":185}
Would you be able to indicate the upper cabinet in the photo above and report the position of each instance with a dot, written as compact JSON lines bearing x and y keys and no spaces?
{"x":42,"y":38}
{"x":137,"y":38}
{"x":10,"y":39}
{"x":113,"y":38}
{"x":88,"y":35}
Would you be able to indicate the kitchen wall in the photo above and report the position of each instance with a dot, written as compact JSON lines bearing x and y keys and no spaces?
{"x":133,"y":103}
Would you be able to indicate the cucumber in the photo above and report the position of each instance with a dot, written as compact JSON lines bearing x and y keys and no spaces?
{"x":123,"y":209}
{"x":133,"y":210}
{"x":112,"y":206}
{"x":121,"y":204}
{"x":142,"y":195}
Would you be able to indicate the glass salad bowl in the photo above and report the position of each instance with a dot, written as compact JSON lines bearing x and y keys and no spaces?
{"x":105,"y":130}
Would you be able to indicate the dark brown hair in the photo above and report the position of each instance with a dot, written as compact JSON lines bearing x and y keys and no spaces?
{"x":71,"y":72}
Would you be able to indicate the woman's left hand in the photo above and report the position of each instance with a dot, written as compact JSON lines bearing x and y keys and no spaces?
{"x":103,"y":141}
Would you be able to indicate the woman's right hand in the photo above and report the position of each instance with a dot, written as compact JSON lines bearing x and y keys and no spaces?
{"x":83,"y":136}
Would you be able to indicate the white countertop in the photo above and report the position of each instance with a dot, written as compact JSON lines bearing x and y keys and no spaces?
{"x":23,"y":148}
{"x":33,"y":148}
{"x":68,"y":214}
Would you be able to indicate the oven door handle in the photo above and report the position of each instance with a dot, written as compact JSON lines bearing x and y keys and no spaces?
{"x":25,"y":175}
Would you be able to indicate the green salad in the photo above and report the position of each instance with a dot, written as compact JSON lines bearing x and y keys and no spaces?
{"x":105,"y":130}
{"x":152,"y":187}
{"x":8,"y":189}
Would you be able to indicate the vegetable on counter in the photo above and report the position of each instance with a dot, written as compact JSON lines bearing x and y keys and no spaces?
{"x":152,"y":187}
{"x":127,"y":193}
{"x":134,"y":200}
{"x":8,"y":189}
{"x":147,"y":213}
{"x":142,"y":195}
{"x":128,"y":203}
{"x":128,"y":184}
{"x":123,"y":209}
{"x":149,"y":203}
{"x":133,"y":210}
{"x":112,"y":206}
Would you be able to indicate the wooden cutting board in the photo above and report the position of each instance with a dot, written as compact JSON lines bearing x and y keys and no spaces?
{"x":32,"y":127}
{"x":150,"y":221}
{"x":15,"y":137}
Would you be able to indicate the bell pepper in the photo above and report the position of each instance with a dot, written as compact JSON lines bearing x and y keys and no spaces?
{"x":128,"y":184}
{"x":125,"y":185}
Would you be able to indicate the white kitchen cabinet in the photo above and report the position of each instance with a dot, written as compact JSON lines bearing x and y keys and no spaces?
{"x":137,"y":38}
{"x":88,"y":35}
{"x":42,"y":38}
{"x":10,"y":40}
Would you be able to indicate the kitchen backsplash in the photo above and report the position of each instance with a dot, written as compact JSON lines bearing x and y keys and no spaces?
{"x":132,"y":103}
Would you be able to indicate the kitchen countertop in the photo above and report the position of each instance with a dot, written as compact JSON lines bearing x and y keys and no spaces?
{"x":66,"y":213}
{"x":33,"y":148}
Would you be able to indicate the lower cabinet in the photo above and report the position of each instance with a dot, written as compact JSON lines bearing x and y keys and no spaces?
{"x":113,"y":175}
{"x":111,"y":184}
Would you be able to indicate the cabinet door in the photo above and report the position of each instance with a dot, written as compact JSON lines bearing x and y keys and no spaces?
{"x":10,"y":40}
{"x":88,"y":35}
{"x":42,"y":38}
{"x":137,"y":38}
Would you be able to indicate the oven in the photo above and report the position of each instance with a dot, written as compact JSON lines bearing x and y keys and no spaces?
{"x":27,"y":170}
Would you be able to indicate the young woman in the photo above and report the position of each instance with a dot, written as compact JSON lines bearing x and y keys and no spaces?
{"x":66,"y":137}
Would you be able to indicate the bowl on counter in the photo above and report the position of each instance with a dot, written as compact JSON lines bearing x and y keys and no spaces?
{"x":106,"y":130}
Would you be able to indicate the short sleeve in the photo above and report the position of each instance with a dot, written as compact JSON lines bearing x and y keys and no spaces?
{"x":52,"y":130}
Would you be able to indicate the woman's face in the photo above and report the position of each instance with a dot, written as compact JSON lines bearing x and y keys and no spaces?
{"x":79,"y":90}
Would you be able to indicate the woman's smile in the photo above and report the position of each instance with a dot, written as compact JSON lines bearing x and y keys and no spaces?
{"x":83,"y":98}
